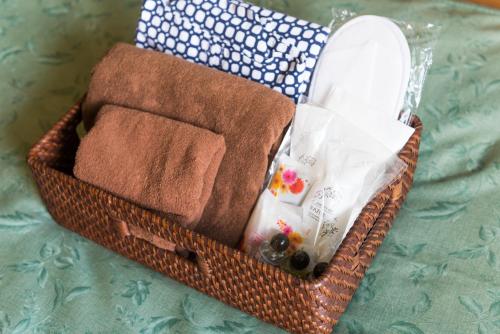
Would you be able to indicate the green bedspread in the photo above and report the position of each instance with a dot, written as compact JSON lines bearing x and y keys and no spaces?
{"x":437,"y":272}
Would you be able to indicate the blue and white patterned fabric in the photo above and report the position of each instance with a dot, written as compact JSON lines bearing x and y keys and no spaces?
{"x":268,"y":47}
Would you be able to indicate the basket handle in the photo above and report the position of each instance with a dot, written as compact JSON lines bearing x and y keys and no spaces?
{"x":126,"y":230}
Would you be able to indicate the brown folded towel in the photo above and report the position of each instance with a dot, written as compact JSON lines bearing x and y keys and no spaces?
{"x":154,"y":161}
{"x":250,"y":116}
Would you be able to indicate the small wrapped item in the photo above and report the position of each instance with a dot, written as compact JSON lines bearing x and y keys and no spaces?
{"x":268,"y":47}
{"x":291,"y":182}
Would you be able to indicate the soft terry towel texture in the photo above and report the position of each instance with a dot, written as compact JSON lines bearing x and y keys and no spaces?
{"x":154,"y":161}
{"x":250,"y":116}
{"x":265,"y":46}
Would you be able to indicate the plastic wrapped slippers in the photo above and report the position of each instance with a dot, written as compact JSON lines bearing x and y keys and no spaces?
{"x":370,"y":59}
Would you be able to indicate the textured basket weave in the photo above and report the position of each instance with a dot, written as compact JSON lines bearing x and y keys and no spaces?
{"x":264,"y":291}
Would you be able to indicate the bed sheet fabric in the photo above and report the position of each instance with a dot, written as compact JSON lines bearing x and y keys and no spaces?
{"x":437,"y":272}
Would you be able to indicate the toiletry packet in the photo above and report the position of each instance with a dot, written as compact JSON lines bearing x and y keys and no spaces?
{"x":354,"y":177}
{"x":310,"y":131}
{"x":291,"y":181}
{"x":349,"y":156}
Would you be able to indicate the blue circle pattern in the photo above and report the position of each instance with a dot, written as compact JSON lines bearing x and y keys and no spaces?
{"x":259,"y":44}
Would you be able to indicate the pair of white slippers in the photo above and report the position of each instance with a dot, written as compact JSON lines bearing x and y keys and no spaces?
{"x":365,"y":68}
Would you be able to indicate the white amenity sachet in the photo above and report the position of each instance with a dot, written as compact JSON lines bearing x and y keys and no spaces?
{"x":388,"y":130}
{"x":350,"y":166}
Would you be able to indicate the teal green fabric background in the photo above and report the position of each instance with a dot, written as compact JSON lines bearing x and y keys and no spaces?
{"x":437,"y":272}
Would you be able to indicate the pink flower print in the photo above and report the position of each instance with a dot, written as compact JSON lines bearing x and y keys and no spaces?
{"x":287,"y":230}
{"x":289,"y":176}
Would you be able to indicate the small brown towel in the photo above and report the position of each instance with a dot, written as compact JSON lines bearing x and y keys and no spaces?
{"x":250,"y":116}
{"x":154,"y":161}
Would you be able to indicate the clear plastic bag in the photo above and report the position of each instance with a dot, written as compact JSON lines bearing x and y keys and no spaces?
{"x":351,"y":167}
{"x":378,"y":177}
{"x":350,"y":162}
{"x":346,"y":166}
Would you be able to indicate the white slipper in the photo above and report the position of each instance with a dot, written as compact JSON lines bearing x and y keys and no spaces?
{"x":368,"y":57}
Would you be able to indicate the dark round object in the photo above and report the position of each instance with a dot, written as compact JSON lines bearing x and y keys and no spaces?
{"x":319,"y":269}
{"x":299,"y":260}
{"x":280,"y":243}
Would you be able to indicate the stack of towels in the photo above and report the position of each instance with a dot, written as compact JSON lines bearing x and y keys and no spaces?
{"x":183,"y":139}
{"x":189,"y":127}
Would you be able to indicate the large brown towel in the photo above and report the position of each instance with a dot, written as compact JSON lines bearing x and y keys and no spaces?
{"x":250,"y":116}
{"x":154,"y":161}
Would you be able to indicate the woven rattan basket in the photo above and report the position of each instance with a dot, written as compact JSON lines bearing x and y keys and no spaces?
{"x":264,"y":291}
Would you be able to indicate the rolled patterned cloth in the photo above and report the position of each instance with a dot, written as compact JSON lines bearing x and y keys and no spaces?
{"x":265,"y":46}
